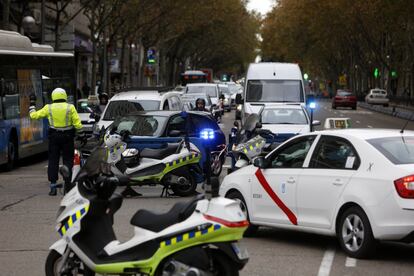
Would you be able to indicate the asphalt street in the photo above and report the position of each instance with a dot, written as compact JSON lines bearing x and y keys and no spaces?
{"x":27,"y":222}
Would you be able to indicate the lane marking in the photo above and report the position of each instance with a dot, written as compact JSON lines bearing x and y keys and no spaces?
{"x":369,"y":126}
{"x":326,"y":264}
{"x":350,"y":262}
{"x":262,"y":180}
{"x":358,"y":122}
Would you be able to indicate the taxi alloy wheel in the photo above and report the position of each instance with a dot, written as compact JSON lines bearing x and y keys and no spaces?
{"x":355,"y":233}
{"x":252,"y":229}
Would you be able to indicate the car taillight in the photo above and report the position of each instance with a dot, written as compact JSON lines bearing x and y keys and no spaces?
{"x":405,"y":186}
{"x":231,"y":224}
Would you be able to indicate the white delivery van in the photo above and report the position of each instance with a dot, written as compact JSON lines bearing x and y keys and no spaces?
{"x":269,"y":83}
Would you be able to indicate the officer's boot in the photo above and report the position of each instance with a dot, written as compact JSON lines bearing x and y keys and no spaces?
{"x":53,"y":191}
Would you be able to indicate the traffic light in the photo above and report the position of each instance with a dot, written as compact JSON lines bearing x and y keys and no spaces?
{"x":394,"y":74}
{"x":376,"y":73}
{"x":224,"y":77}
{"x":305,"y":76}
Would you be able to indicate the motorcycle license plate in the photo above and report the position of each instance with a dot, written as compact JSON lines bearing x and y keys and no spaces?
{"x":240,"y":250}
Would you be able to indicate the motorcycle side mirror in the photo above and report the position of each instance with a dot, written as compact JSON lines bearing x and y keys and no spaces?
{"x":260,"y":162}
{"x":65,"y":172}
{"x":125,"y":134}
{"x":258,"y":125}
{"x":174,"y":133}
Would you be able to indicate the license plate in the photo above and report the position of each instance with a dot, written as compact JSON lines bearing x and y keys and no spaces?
{"x":240,"y":251}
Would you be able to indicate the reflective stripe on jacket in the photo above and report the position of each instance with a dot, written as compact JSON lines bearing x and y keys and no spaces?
{"x":60,"y":115}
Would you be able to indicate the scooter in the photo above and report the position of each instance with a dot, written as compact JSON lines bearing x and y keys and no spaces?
{"x":176,"y":167}
{"x":198,"y":237}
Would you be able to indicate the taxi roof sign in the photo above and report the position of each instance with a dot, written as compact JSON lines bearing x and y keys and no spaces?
{"x":338,"y":123}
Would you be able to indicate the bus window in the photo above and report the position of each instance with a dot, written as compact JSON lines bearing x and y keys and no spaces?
{"x":11,"y":100}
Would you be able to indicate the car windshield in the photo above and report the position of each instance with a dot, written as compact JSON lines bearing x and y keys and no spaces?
{"x":274,"y":91}
{"x":140,"y":125}
{"x":399,"y":150}
{"x":233,"y":88}
{"x":208,"y":90}
{"x":379,"y":92}
{"x":224,"y":90}
{"x":343,"y":93}
{"x":284,"y":116}
{"x":122,"y":108}
{"x":192,"y":99}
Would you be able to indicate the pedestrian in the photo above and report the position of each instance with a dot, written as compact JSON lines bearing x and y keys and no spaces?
{"x":86,"y":89}
{"x":64,"y":121}
{"x":103,"y":101}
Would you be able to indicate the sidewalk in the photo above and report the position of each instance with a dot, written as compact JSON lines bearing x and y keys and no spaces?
{"x":399,"y":111}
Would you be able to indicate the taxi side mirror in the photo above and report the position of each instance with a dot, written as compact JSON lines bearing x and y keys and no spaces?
{"x":260,"y":162}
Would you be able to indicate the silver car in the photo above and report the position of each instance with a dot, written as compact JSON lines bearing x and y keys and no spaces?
{"x":377,"y":96}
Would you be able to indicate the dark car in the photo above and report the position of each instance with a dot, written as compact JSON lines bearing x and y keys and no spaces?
{"x":344,"y":98}
{"x":154,"y":128}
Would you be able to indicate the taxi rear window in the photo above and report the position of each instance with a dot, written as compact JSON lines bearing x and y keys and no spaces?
{"x":399,"y":150}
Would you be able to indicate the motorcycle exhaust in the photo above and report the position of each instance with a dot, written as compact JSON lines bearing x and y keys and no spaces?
{"x":179,"y":268}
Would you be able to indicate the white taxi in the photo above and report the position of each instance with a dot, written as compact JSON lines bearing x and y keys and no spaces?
{"x":357,"y":184}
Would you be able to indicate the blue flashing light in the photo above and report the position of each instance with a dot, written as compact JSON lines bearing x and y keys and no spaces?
{"x":207,"y":134}
{"x":312,"y":105}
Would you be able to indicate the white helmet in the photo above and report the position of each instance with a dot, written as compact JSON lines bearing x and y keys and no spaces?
{"x":112,"y":140}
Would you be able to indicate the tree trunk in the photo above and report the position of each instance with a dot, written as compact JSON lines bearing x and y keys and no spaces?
{"x":57,"y":29}
{"x":121,"y":62}
{"x":6,"y":14}
{"x":92,"y":28}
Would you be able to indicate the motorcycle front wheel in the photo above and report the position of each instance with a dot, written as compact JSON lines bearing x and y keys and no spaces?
{"x":54,"y":264}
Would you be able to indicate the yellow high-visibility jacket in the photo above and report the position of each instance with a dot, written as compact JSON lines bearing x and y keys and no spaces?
{"x":60,"y":115}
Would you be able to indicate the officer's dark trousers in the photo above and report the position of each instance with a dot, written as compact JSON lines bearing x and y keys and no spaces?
{"x":60,"y":143}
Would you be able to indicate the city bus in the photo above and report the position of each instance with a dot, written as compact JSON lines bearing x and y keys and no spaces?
{"x":26,"y":69}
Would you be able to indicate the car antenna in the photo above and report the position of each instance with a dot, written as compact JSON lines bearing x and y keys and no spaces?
{"x":405,"y":125}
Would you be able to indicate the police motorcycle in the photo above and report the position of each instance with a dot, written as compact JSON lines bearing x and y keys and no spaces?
{"x":197,"y":237}
{"x":175,"y":166}
{"x":249,"y":141}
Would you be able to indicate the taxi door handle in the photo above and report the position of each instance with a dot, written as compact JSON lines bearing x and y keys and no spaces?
{"x":291,"y":180}
{"x":338,"y":182}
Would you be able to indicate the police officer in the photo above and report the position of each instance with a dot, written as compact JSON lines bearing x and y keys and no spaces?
{"x":63,"y":122}
{"x":200,"y":105}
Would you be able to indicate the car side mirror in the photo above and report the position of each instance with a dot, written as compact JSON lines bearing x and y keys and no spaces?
{"x":316,"y":123}
{"x":65,"y":173}
{"x":239,"y":99}
{"x":260,"y":162}
{"x":174,"y":133}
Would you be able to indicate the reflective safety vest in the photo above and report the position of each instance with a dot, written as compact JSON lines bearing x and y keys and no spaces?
{"x":62,"y":116}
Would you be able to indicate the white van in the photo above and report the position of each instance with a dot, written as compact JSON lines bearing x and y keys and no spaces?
{"x":271,"y":82}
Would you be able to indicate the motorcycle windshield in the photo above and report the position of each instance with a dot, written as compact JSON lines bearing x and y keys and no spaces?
{"x":248,"y":128}
{"x":95,"y":164}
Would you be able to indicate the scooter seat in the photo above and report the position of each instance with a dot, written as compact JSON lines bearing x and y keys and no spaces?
{"x":160,"y":153}
{"x":157,"y":222}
